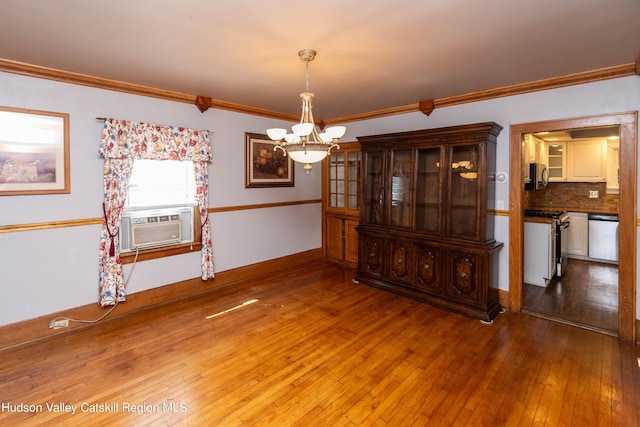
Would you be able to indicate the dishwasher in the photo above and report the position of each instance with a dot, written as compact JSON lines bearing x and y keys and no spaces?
{"x":603,"y":237}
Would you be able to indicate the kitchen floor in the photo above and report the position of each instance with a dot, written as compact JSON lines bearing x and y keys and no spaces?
{"x":587,"y":295}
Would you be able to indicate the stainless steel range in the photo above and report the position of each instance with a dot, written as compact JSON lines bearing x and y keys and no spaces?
{"x":562,"y":224}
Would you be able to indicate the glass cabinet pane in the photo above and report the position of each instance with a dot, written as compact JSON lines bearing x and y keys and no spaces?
{"x":336,"y":180}
{"x":401,"y":188}
{"x":428,"y":202}
{"x":353,"y":173}
{"x":373,"y":187}
{"x":463,"y":202}
{"x":555,"y":159}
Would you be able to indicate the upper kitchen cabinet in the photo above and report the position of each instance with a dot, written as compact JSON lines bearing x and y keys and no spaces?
{"x":586,"y":161}
{"x":578,"y":161}
{"x":533,"y":149}
{"x":557,"y":161}
{"x":613,"y":167}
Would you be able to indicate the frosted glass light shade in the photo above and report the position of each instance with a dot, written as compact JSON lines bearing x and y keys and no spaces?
{"x":336,"y":132}
{"x":276,"y":133}
{"x":302,"y":129}
{"x":291,"y":137}
{"x":308,"y":156}
{"x":325,"y":137}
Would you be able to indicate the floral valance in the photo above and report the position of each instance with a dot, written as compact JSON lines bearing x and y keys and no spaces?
{"x":124,"y":139}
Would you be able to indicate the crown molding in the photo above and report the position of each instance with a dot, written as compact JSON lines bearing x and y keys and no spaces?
{"x":203,"y":103}
{"x":135,"y":89}
{"x":539,"y":85}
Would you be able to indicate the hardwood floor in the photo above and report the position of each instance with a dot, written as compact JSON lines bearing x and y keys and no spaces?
{"x":319,"y":350}
{"x":586,"y":295}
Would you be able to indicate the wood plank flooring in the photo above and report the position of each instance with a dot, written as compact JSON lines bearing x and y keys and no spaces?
{"x":586,"y":295}
{"x":317,"y":349}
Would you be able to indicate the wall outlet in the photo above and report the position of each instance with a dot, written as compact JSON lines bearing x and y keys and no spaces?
{"x":593,"y":194}
{"x":57,"y":324}
{"x":500,"y":205}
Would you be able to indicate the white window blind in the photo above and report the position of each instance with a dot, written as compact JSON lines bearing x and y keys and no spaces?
{"x":161,"y":183}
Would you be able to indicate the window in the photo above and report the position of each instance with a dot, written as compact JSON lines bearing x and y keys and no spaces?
{"x":155,"y":185}
{"x":161,"y":183}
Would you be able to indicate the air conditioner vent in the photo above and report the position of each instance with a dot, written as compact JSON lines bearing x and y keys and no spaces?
{"x":157,"y":231}
{"x":156,"y":228}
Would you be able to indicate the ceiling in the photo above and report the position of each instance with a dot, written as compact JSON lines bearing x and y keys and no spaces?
{"x":583,"y":134}
{"x":372,"y":55}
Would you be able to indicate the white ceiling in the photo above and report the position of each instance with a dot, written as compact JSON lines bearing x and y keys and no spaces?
{"x":372,"y":55}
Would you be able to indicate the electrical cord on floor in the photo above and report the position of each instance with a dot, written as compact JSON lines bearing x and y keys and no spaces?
{"x":52,"y":324}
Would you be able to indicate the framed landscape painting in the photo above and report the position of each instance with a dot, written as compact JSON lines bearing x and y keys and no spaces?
{"x":34,"y":152}
{"x":265,"y":167}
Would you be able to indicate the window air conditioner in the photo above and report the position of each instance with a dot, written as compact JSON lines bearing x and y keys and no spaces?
{"x":156,"y":228}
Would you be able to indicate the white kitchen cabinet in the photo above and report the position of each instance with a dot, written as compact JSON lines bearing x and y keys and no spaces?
{"x":557,"y":161}
{"x":539,"y":253}
{"x":586,"y":161}
{"x":533,"y":149}
{"x":578,"y":235}
{"x":613,"y":168}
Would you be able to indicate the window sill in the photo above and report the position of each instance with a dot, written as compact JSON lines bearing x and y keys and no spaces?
{"x":147,"y":254}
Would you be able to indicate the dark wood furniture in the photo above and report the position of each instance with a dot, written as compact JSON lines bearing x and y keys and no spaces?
{"x":425,"y":231}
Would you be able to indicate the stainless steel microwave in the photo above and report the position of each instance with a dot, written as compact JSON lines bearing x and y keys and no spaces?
{"x":536,"y":177}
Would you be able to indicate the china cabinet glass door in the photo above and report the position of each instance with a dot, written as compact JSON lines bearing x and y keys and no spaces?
{"x":373,"y":187}
{"x":401,"y":188}
{"x":336,"y":180}
{"x":343,"y":179}
{"x":428,"y":203}
{"x":463,"y":202}
{"x":353,"y":171}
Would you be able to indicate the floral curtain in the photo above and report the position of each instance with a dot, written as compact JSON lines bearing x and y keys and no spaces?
{"x":123,"y":142}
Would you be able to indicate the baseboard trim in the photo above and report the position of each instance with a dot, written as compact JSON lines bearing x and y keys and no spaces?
{"x":36,"y":329}
{"x":503,"y":299}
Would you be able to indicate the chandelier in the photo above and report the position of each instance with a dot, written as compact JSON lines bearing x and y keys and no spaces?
{"x":305,"y":145}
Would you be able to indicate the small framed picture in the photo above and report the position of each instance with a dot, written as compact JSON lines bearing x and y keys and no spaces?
{"x":264,"y":166}
{"x":34,"y":152}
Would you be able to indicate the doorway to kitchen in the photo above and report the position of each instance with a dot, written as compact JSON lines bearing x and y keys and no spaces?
{"x":627,"y":123}
{"x":570,"y":270}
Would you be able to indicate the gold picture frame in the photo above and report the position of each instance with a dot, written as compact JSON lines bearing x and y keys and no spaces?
{"x":264,"y":166}
{"x":34,"y":152}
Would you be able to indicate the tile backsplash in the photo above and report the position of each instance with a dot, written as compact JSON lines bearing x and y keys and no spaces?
{"x":572,"y":196}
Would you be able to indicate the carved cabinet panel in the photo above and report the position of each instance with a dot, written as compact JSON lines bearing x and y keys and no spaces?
{"x":465,"y":276}
{"x":428,"y":266}
{"x":371,"y":251}
{"x":400,"y":260}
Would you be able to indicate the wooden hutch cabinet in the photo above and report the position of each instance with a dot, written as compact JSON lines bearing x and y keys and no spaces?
{"x":425,"y":230}
{"x":341,"y":203}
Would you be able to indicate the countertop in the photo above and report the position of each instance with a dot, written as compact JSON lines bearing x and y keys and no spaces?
{"x":539,"y":219}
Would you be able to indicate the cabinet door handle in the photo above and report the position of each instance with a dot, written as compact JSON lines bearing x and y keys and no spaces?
{"x":463,"y":275}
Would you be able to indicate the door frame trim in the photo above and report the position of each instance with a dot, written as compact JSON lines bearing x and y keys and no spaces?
{"x":628,"y":123}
